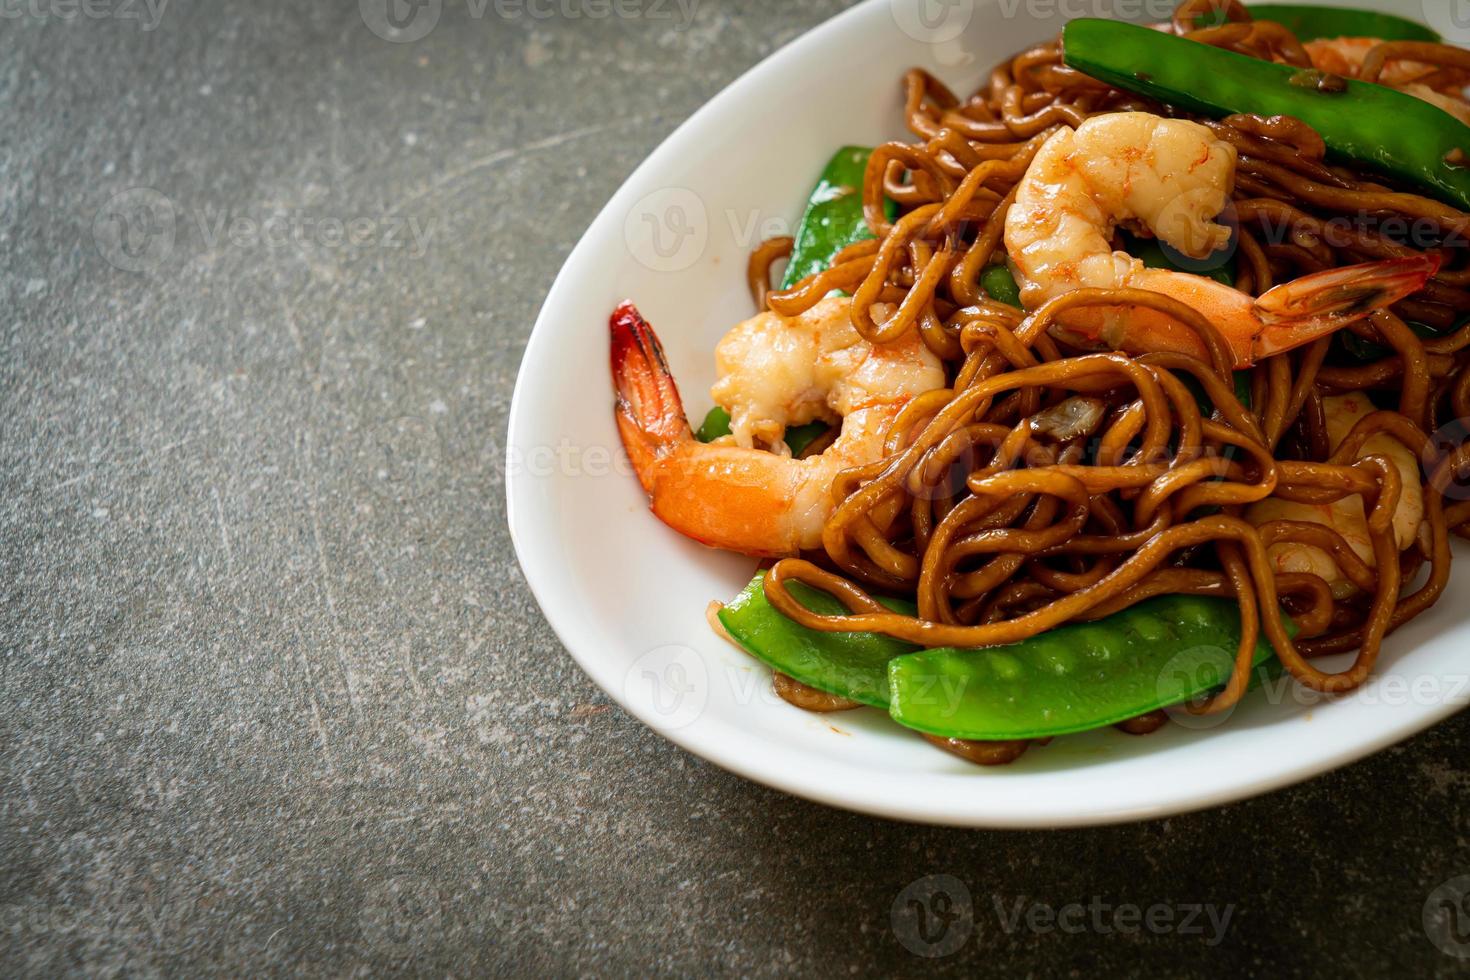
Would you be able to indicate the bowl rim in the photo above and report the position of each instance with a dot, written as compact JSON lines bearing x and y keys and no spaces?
{"x":842,"y":784}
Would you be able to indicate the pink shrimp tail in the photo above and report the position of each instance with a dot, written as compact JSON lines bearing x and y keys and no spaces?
{"x":723,"y":497}
{"x":1306,"y":308}
{"x":649,"y":413}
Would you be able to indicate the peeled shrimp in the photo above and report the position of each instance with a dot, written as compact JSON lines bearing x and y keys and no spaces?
{"x":774,"y":371}
{"x":1169,"y":178}
{"x":1345,"y":55}
{"x":1345,"y":516}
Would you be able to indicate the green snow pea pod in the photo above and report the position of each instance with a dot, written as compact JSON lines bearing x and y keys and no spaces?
{"x":833,"y":218}
{"x":1073,"y":678}
{"x":1079,"y":676}
{"x":715,"y":424}
{"x":1380,"y":127}
{"x":853,"y":665}
{"x":1311,"y":23}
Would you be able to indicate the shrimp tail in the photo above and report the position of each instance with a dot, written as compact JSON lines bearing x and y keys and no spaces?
{"x":649,"y":413}
{"x":1298,"y":311}
{"x":723,"y":497}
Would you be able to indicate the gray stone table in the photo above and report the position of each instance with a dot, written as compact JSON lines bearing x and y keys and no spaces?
{"x":274,"y":697}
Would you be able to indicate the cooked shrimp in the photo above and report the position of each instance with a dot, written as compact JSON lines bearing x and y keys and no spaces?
{"x":1345,"y":56}
{"x":1458,"y":108}
{"x":1345,"y":516}
{"x":1170,"y":178}
{"x":774,"y":371}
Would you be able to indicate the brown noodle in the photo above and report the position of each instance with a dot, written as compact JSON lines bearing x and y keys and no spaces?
{"x":1000,"y":524}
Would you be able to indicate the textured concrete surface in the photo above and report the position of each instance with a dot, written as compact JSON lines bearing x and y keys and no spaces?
{"x":274,"y":697}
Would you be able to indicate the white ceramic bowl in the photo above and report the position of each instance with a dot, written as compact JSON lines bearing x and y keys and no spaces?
{"x":627,"y":595}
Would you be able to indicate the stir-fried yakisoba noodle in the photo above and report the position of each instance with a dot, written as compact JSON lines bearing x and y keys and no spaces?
{"x":1011,"y":467}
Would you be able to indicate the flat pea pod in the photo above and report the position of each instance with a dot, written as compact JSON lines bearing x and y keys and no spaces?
{"x":1077,"y":677}
{"x":833,"y":218}
{"x":853,"y":665}
{"x":1312,"y":23}
{"x":798,"y":437}
{"x":716,"y":423}
{"x":1382,"y":128}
